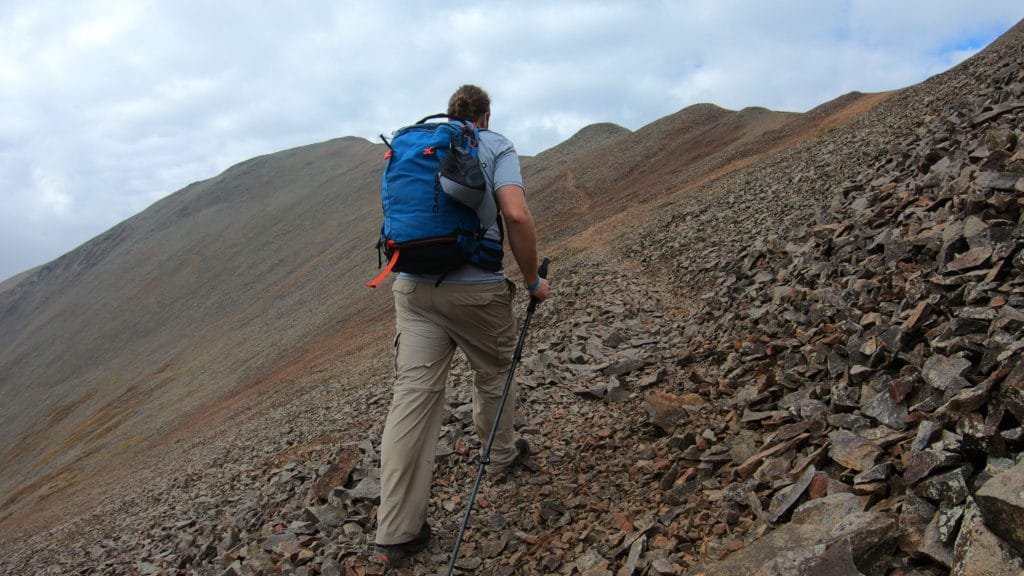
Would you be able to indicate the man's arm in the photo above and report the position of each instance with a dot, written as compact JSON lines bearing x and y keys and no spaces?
{"x":522,"y":236}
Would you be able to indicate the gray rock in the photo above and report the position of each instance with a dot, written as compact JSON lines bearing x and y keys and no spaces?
{"x":866,"y":531}
{"x":611,"y":391}
{"x":796,"y":548}
{"x":926,"y":432}
{"x":784,"y":499}
{"x":613,"y":340}
{"x":1001,"y":501}
{"x":879,"y":472}
{"x":829,"y":510}
{"x":302,"y":527}
{"x":946,"y":374}
{"x":947,"y":522}
{"x":934,"y":545}
{"x":1011,"y":391}
{"x":331,"y":567}
{"x":919,"y":465}
{"x":276,"y":542}
{"x":616,"y":391}
{"x":979,"y":552}
{"x":916,"y":514}
{"x":367,"y":490}
{"x":994,"y":180}
{"x":886,"y":410}
{"x":948,"y":487}
{"x":852,"y":451}
{"x":623,"y":367}
{"x":328,"y":515}
{"x":832,"y":559}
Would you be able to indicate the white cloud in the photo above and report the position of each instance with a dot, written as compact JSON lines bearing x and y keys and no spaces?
{"x":111,"y":104}
{"x":54,"y":197}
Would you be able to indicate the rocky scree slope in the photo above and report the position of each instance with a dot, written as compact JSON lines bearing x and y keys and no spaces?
{"x":233,"y":287}
{"x":810,"y":366}
{"x":859,"y":336}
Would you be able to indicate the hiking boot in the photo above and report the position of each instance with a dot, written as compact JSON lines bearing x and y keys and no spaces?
{"x":522,"y":458}
{"x":392,"y":553}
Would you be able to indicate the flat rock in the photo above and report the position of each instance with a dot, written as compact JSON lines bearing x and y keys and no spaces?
{"x":828,"y":510}
{"x":887,"y":410}
{"x":853,"y":451}
{"x":367,"y":490}
{"x":915,"y":516}
{"x":797,"y":548}
{"x":919,"y":465}
{"x":784,"y":499}
{"x":948,"y":487}
{"x":971,"y":259}
{"x":1001,"y":500}
{"x":979,"y":552}
{"x":1012,"y":391}
{"x":945,"y":374}
{"x":329,"y":515}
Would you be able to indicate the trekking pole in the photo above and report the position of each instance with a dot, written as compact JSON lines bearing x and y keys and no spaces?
{"x":485,"y":457}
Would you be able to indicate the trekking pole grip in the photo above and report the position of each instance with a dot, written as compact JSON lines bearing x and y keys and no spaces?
{"x":542,"y":271}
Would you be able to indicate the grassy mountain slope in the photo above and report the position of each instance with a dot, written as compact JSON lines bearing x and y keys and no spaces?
{"x":207,"y":290}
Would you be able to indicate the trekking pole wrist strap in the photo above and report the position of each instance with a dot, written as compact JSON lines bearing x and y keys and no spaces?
{"x":533,"y":287}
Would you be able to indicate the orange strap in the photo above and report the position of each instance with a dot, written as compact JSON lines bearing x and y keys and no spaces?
{"x":387,"y":270}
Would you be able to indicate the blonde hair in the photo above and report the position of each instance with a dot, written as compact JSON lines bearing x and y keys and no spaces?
{"x":468,"y":103}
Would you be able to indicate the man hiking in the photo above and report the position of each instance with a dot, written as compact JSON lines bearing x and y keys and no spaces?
{"x":469,"y":308}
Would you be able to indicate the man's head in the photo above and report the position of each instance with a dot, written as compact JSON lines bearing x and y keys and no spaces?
{"x":470,"y":103}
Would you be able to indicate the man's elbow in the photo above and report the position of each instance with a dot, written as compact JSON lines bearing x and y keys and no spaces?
{"x":517,"y":217}
{"x":512,"y":202}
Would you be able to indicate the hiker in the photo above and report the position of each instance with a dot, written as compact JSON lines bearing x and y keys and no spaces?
{"x":470,"y":308}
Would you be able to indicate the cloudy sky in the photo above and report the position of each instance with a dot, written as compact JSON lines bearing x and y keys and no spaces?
{"x":109,"y":105}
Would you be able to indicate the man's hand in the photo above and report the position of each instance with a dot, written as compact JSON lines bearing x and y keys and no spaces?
{"x":541,"y":292}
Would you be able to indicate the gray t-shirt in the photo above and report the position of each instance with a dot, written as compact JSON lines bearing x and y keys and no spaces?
{"x":500,"y":164}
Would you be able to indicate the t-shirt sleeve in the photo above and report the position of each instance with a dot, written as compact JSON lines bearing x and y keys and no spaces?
{"x":506,"y":161}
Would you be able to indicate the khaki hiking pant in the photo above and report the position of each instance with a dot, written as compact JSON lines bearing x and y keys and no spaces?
{"x":432,"y":321}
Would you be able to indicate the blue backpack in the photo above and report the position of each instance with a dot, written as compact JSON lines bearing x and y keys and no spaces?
{"x":425,"y":229}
